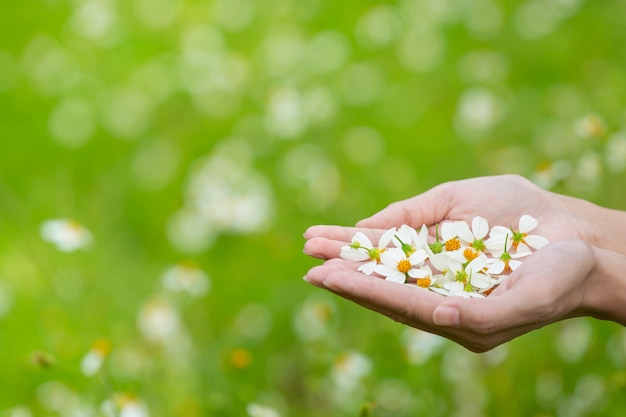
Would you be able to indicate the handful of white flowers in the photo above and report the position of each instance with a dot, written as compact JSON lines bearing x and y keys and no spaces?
{"x":463,"y":261}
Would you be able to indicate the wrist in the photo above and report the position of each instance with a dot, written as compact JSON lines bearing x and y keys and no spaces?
{"x":604,"y":294}
{"x":599,"y":226}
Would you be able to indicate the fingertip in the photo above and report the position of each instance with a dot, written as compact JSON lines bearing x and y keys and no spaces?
{"x":315,"y":276}
{"x":362,"y":222}
{"x":310,"y":232}
{"x":447,"y":316}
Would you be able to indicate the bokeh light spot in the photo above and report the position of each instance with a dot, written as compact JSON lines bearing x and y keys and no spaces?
{"x":72,"y":122}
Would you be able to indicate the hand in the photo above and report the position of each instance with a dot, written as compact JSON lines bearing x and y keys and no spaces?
{"x":502,"y":200}
{"x":553,"y":284}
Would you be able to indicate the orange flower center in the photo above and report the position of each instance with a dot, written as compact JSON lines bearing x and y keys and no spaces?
{"x":423,"y":282}
{"x":470,"y":254}
{"x":453,"y":244}
{"x":404,"y":266}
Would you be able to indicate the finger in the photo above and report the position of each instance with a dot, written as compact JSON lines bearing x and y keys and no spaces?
{"x":320,"y":247}
{"x":492,"y":320}
{"x":341,"y":233}
{"x":427,"y":208}
{"x":318,"y":274}
{"x":413,"y":304}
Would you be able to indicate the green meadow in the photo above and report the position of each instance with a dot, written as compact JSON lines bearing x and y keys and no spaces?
{"x":161,"y":159}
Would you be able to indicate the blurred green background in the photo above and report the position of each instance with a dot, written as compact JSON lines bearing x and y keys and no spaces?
{"x":196,"y":141}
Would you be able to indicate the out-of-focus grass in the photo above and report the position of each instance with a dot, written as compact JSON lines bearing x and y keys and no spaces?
{"x":212,"y":133}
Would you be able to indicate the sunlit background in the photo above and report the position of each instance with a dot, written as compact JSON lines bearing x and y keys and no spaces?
{"x":160,"y":160}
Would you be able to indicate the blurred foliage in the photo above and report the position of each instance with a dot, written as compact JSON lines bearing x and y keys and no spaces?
{"x":209,"y":134}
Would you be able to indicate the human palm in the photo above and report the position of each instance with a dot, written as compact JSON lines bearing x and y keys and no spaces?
{"x":546,"y":288}
{"x":502,"y":200}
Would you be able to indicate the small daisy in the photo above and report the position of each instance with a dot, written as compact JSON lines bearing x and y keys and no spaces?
{"x":409,"y":240}
{"x":476,"y":236}
{"x":507,"y":262}
{"x":186,"y":277}
{"x":124,"y":405}
{"x":66,"y":235}
{"x":396,"y":266}
{"x":426,"y":281}
{"x":361,"y":249}
{"x":259,"y":410}
{"x":456,"y":289}
{"x":521,"y":241}
{"x":446,"y":264}
{"x":94,"y":359}
{"x":449,"y":236}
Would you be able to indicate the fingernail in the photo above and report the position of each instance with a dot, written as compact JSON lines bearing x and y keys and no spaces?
{"x":306,"y":279}
{"x":447,"y":316}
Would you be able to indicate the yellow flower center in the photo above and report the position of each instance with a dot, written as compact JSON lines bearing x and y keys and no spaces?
{"x":453,"y":244}
{"x":404,"y":266}
{"x":423,"y":282}
{"x":470,"y":254}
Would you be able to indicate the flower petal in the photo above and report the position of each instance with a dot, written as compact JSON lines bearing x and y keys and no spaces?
{"x":463,"y":231}
{"x":362,"y":239}
{"x":397,"y":277}
{"x":350,"y":254}
{"x":480,"y":227}
{"x":536,"y":241}
{"x":527,"y":223}
{"x":386,"y":238}
{"x":496,"y":268}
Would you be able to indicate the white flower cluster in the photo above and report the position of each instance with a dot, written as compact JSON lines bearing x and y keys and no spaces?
{"x":464,"y":261}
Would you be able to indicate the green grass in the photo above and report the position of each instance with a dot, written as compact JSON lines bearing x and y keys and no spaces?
{"x":129,"y":173}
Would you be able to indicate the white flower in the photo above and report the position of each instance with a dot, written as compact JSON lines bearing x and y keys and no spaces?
{"x":445,"y":264}
{"x":396,"y":266}
{"x":349,"y":368}
{"x":358,"y":250}
{"x":186,"y":277}
{"x":450,"y":237}
{"x":361,"y":249}
{"x":258,"y":410}
{"x":476,"y":236}
{"x":66,"y":235}
{"x":456,"y":288}
{"x":507,"y":262}
{"x":124,"y":405}
{"x":93,"y":360}
{"x":520,"y":240}
{"x":159,"y":322}
{"x":404,"y":235}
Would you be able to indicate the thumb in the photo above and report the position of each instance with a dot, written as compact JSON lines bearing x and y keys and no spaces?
{"x":486,"y":315}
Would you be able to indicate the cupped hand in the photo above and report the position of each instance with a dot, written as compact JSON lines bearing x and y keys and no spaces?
{"x":502,"y":200}
{"x":551,"y":285}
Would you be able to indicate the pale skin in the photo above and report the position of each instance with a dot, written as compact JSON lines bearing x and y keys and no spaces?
{"x":580,"y":273}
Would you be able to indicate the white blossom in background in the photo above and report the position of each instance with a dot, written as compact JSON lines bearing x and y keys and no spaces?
{"x":159,"y":322}
{"x":124,"y":405}
{"x":312,"y":318}
{"x":420,"y":346}
{"x":349,"y":369}
{"x":478,"y":111}
{"x":186,"y":277}
{"x":94,"y":359}
{"x":260,"y":410}
{"x":224,"y":194}
{"x":67,"y":235}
